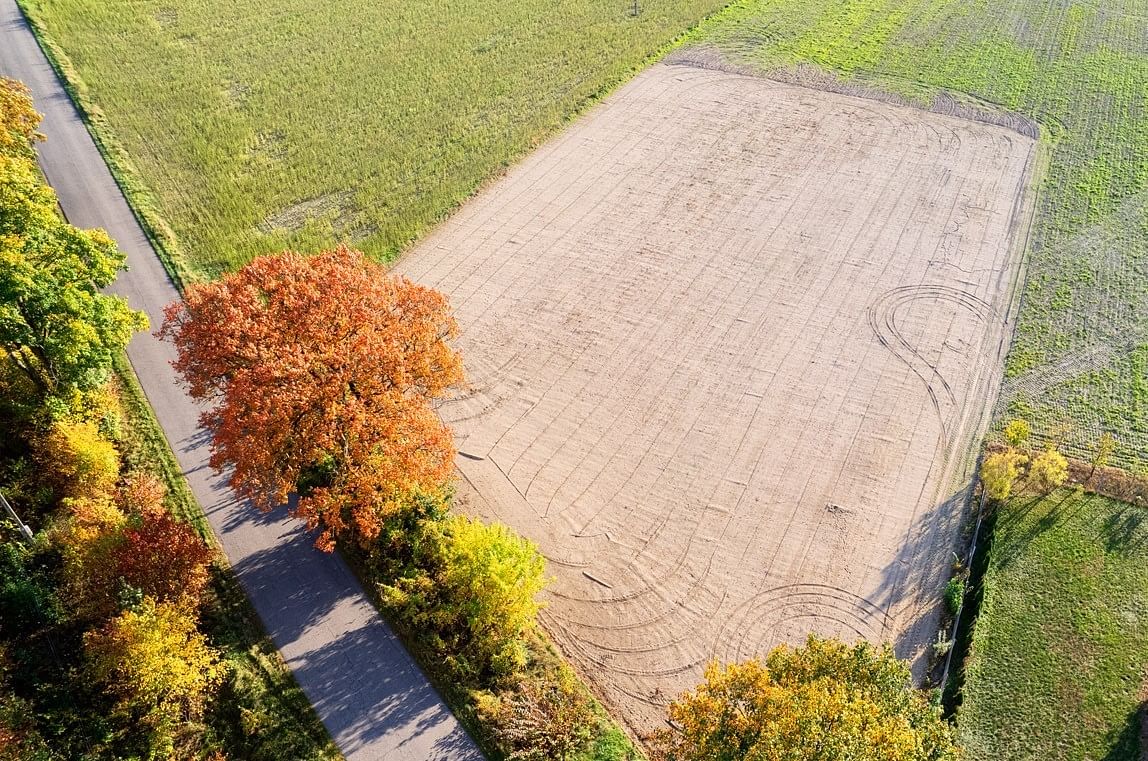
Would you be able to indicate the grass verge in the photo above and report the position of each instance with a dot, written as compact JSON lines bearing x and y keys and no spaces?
{"x":261,"y":712}
{"x":1057,"y":664}
{"x":140,"y":200}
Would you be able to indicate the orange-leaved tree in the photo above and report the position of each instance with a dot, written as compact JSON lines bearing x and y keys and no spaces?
{"x":323,"y":370}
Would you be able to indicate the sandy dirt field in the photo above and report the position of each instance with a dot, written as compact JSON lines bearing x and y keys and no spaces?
{"x":730,"y":345}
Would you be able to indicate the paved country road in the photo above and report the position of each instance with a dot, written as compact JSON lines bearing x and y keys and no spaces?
{"x":372,"y":697}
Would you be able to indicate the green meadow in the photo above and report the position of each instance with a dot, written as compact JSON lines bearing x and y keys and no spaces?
{"x":252,"y":126}
{"x":1057,"y":666}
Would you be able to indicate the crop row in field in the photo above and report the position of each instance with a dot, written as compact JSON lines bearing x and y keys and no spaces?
{"x":1079,"y":362}
{"x":256,"y":126}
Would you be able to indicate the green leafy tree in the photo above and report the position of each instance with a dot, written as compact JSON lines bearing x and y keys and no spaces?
{"x":826,"y":701}
{"x":20,"y":738}
{"x":1048,"y":471}
{"x":55,"y":324}
{"x":999,"y":472}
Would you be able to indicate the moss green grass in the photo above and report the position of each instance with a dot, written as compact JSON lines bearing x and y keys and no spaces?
{"x":1058,"y":662}
{"x":257,"y":126}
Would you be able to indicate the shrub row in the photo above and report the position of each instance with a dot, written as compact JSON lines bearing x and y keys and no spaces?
{"x":464,"y":594}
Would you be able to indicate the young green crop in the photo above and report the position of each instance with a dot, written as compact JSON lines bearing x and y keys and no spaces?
{"x":258,"y":126}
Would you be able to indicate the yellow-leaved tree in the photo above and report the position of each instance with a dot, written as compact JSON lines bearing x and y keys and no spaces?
{"x":999,"y":472}
{"x":157,"y":665}
{"x":826,"y":701}
{"x":1048,"y":471}
{"x":475,"y":586}
{"x":83,"y":463}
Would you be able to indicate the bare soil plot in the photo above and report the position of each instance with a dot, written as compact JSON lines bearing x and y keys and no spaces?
{"x":731,"y":342}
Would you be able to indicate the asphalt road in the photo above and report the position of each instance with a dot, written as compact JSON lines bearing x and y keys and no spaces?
{"x":368,"y":691}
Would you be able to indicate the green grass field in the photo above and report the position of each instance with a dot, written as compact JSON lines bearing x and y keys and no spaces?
{"x":1079,"y":362}
{"x":1058,"y":662}
{"x":257,"y":126}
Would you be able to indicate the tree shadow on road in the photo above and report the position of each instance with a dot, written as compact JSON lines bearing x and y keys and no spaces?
{"x":293,"y":584}
{"x":368,"y":688}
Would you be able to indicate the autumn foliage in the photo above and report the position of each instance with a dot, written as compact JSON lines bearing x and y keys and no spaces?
{"x":18,"y":119}
{"x":323,"y":370}
{"x":83,"y":463}
{"x":163,"y":558}
{"x":158,"y":666}
{"x":826,"y":700}
{"x":135,"y":545}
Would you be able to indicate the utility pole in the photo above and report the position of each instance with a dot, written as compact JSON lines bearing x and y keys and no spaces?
{"x":635,"y":10}
{"x":23,"y":527}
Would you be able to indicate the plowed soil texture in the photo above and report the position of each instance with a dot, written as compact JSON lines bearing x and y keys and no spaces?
{"x":731,"y":344}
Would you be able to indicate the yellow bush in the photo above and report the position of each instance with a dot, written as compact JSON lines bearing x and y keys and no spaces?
{"x":1016,"y":433}
{"x":999,"y":472}
{"x":157,"y":665}
{"x":87,"y":536}
{"x":826,"y":700}
{"x":1049,"y":470}
{"x":79,"y":459}
{"x":494,"y":577}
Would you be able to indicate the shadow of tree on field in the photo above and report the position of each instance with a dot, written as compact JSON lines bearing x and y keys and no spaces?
{"x":1011,"y":543}
{"x":1127,"y":743}
{"x":1125,"y":529}
{"x":919,"y":572}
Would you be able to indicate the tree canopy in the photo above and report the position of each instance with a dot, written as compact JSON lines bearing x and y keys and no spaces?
{"x":158,"y":666}
{"x":323,"y":370}
{"x":826,"y":701}
{"x":18,"y":119}
{"x":55,"y":324}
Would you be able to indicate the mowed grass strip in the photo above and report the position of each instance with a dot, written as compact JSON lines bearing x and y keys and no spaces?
{"x":1079,"y":361}
{"x":257,"y":126}
{"x":1059,"y":661}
